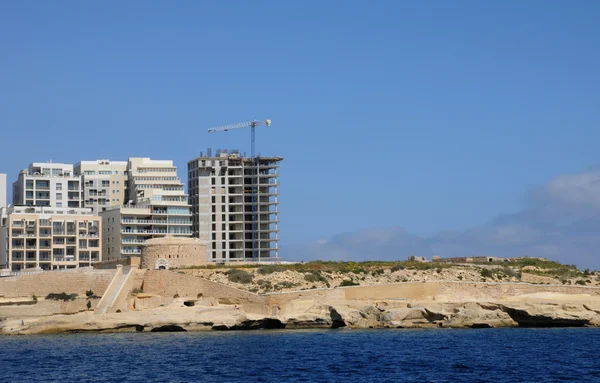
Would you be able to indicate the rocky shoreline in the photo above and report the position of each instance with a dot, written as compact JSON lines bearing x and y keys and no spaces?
{"x":541,"y":310}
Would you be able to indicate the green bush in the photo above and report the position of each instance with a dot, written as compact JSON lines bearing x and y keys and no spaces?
{"x":239,"y":276}
{"x":89,"y":305}
{"x":269,"y":269}
{"x":286,"y":284}
{"x":348,"y":282}
{"x":397,"y":268}
{"x":485,"y":273}
{"x":460,"y":277}
{"x":580,"y":282}
{"x":377,"y":272}
{"x":34,"y":298}
{"x":61,"y":297}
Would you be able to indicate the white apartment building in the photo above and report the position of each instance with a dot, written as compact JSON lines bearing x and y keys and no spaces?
{"x":48,"y":184}
{"x":235,"y":205}
{"x":104,"y":183}
{"x":157,"y":205}
{"x":2,"y":190}
{"x":49,"y":238}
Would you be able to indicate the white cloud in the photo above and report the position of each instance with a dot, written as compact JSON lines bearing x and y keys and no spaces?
{"x":561,"y":222}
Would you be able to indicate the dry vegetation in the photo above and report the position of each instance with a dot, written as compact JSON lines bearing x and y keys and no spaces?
{"x":317,"y":274}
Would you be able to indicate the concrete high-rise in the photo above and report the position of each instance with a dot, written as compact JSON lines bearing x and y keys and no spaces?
{"x":104,"y":183}
{"x":157,"y":206}
{"x":48,"y":184}
{"x":224,"y":189}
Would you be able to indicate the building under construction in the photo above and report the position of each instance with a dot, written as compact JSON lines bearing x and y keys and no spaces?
{"x":234,"y":202}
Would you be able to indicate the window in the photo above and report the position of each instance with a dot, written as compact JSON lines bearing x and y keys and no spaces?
{"x":223,"y":236}
{"x":214,"y":236}
{"x":223,"y":217}
{"x":223,"y":199}
{"x":214,"y":226}
{"x":58,"y":186}
{"x":223,"y":245}
{"x":59,"y":204}
{"x":223,"y":227}
{"x":214,"y":199}
{"x":214,"y":218}
{"x":59,"y":196}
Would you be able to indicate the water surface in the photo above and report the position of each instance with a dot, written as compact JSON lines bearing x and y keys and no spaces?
{"x":440,"y":355}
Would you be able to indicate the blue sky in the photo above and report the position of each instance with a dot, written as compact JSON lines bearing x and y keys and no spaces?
{"x":427,"y":116}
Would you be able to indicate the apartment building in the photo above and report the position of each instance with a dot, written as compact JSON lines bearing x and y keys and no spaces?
{"x":49,"y":238}
{"x":235,"y":205}
{"x":104,"y":183}
{"x":157,"y":205}
{"x":48,"y":184}
{"x":2,"y":190}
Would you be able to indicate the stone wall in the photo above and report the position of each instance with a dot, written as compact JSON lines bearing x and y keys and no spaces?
{"x":174,"y":251}
{"x":112,"y":264}
{"x":68,"y":281}
{"x":46,"y":307}
{"x":169,"y":283}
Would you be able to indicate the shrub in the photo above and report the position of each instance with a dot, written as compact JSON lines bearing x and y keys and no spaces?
{"x":34,"y":298}
{"x":377,"y":272}
{"x":580,"y":282}
{"x":89,"y":293}
{"x":286,"y":284}
{"x":314,"y":276}
{"x":485,"y":273}
{"x":61,"y":297}
{"x":239,"y":276}
{"x":460,"y":277}
{"x":137,"y":290}
{"x":397,"y":268}
{"x":438,"y":270}
{"x":89,"y":305}
{"x":269,"y":269}
{"x":348,"y":282}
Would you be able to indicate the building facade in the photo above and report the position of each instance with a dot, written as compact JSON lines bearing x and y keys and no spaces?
{"x":104,"y":183}
{"x":157,"y":205}
{"x":48,"y":184}
{"x":49,"y":238}
{"x":235,"y":205}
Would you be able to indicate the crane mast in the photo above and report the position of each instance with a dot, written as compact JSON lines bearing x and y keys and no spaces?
{"x":254,"y":174}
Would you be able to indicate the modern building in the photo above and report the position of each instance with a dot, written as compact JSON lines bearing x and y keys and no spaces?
{"x":48,"y":184}
{"x":104,"y":183}
{"x":2,"y":190}
{"x":235,"y":205}
{"x":49,"y":238}
{"x":157,"y":205}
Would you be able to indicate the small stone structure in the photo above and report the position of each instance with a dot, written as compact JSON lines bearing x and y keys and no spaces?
{"x":170,"y":251}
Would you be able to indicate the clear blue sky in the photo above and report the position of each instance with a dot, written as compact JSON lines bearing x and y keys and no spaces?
{"x":430,"y":115}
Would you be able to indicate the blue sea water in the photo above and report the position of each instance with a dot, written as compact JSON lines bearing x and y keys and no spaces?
{"x":343,"y":355}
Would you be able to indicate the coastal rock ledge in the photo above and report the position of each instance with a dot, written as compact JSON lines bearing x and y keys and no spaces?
{"x":530,"y":311}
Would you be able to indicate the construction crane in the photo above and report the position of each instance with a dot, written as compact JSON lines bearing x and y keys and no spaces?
{"x":252,"y":124}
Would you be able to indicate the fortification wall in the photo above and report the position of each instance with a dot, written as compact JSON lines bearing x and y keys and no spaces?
{"x":46,"y":307}
{"x":170,"y":284}
{"x":112,"y":264}
{"x":177,"y":252}
{"x":68,"y":281}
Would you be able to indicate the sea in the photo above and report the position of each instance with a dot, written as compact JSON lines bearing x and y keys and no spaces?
{"x":340,"y":355}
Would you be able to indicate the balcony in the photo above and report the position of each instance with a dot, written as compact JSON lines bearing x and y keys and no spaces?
{"x":143,"y":232}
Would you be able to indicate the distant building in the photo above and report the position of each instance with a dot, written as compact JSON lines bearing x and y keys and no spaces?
{"x":48,"y":238}
{"x":157,"y":205}
{"x":104,"y":183}
{"x":223,"y":190}
{"x":415,"y":258}
{"x":48,"y":184}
